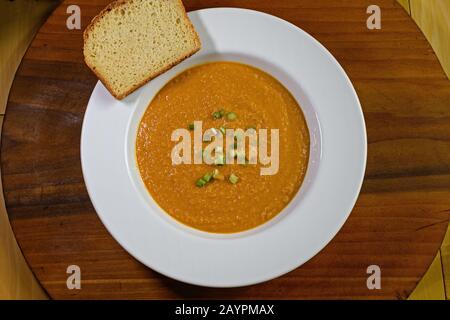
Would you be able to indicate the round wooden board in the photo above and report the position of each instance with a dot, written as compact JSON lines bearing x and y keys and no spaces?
{"x":399,"y":220}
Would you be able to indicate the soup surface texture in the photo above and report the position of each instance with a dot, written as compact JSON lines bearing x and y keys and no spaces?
{"x":254,"y":99}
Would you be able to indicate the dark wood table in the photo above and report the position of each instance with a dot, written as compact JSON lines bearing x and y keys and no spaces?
{"x":399,"y":220}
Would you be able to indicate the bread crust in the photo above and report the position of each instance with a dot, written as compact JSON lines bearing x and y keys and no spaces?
{"x":117,"y":4}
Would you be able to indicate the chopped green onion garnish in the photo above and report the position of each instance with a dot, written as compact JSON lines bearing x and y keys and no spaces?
{"x":207,"y":177}
{"x":191,"y":126}
{"x":231,"y":116}
{"x":200,"y":183}
{"x":222,"y":129}
{"x":217,"y":175}
{"x":218,"y":114}
{"x":233,"y":178}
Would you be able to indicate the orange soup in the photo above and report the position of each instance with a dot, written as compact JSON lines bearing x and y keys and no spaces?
{"x":222,"y":197}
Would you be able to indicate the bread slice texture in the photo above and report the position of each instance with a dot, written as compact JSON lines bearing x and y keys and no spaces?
{"x":131,"y":42}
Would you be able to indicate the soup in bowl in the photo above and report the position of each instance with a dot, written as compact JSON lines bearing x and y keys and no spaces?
{"x":223,"y":147}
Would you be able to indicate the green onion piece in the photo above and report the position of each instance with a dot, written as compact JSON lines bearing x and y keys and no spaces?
{"x":217,"y":175}
{"x":191,"y":126}
{"x":207,"y":177}
{"x":233,"y":178}
{"x":200,"y":183}
{"x":218,"y":114}
{"x":222,"y":129}
{"x":231,"y":116}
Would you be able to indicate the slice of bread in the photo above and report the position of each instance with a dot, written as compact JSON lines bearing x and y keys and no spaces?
{"x":131,"y":42}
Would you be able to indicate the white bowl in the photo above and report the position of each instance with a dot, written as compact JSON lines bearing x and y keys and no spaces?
{"x":325,"y":200}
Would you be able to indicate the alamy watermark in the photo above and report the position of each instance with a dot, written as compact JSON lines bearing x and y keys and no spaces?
{"x":227,"y":146}
{"x":74,"y":20}
{"x":374,"y":280}
{"x":374,"y":20}
{"x":74,"y":279}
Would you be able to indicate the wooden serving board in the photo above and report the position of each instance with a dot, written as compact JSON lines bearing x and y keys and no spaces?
{"x":400,"y":217}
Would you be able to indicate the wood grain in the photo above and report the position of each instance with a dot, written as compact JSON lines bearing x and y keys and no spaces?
{"x":430,"y":17}
{"x":400,"y":217}
{"x":16,"y":279}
